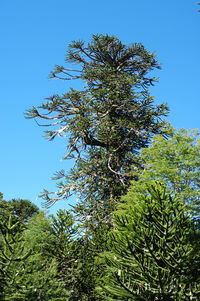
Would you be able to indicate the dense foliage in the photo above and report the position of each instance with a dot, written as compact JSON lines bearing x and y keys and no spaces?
{"x":154,"y":250}
{"x":176,"y":162}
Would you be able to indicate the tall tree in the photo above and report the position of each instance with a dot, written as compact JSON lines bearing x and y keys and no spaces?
{"x":106,"y":123}
{"x":154,"y":250}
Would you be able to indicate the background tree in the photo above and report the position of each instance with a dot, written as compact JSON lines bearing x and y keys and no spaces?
{"x":106,"y":123}
{"x":27,"y":272}
{"x":20,"y":209}
{"x":154,"y":250}
{"x":176,"y":161}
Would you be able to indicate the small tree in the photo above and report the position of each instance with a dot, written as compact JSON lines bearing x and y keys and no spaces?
{"x":106,"y":123}
{"x":154,"y":250}
{"x":74,"y":256}
{"x":13,"y":255}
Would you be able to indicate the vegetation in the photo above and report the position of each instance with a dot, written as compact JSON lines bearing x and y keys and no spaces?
{"x":176,"y":162}
{"x":134,"y":232}
{"x":154,"y":250}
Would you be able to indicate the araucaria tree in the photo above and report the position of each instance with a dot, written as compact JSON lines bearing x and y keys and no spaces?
{"x":154,"y":249}
{"x":107,"y":122}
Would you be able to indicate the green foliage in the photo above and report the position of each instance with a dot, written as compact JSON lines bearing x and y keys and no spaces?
{"x":176,"y":162}
{"x":66,"y":260}
{"x":74,"y":256}
{"x":27,"y":271}
{"x":13,"y":256}
{"x":44,"y":267}
{"x":154,"y":250}
{"x":61,"y":265}
{"x":106,"y":123}
{"x":14,"y":252}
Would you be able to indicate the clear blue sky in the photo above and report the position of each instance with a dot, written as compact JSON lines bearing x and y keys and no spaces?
{"x":34,"y":36}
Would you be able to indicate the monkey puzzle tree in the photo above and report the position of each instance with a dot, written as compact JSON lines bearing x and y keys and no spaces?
{"x":13,"y":255}
{"x":107,"y":122}
{"x":154,"y":249}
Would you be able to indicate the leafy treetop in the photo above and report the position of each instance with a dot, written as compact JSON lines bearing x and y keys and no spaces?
{"x":176,"y":162}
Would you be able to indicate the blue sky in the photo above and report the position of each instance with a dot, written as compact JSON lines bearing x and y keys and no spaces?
{"x":34,"y":37}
